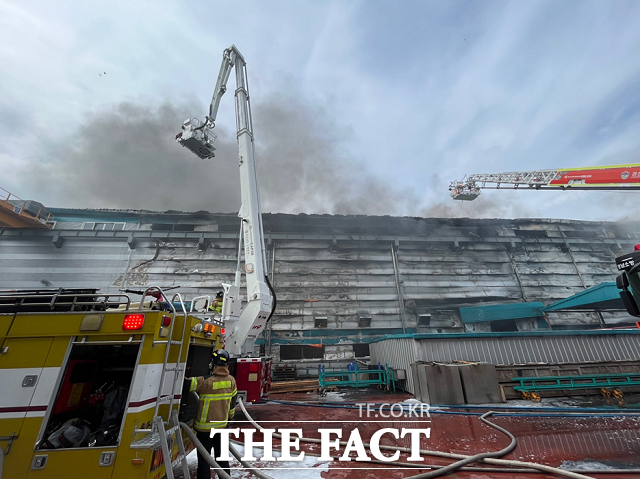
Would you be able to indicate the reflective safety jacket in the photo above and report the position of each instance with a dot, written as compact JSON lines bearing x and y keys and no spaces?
{"x":217,"y":399}
{"x":216,"y":306}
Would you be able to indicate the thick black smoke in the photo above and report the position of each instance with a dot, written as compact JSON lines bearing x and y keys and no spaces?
{"x":126,"y":157}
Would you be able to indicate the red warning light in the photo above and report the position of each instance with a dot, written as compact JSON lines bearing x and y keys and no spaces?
{"x":222,"y":331}
{"x":636,"y":247}
{"x":133,"y":321}
{"x":166,"y":321}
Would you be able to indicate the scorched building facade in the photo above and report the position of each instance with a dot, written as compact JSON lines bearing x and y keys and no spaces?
{"x":341,"y":281}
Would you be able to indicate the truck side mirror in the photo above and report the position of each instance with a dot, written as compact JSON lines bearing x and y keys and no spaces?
{"x":630,"y":303}
{"x":622,"y":282}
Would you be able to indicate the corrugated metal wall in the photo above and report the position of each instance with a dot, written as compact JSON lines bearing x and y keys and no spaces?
{"x":334,"y":266}
{"x":398,"y":354}
{"x":313,"y":279}
{"x":522,"y":350}
{"x":507,"y":349}
{"x":180,"y":263}
{"x":80,"y":264}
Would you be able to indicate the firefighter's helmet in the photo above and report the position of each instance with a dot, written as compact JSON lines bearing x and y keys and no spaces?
{"x":220,"y":358}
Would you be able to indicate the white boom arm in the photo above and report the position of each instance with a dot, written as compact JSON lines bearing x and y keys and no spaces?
{"x":243,"y":325}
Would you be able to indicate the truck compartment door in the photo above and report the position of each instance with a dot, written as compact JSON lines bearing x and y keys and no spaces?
{"x":22,"y":371}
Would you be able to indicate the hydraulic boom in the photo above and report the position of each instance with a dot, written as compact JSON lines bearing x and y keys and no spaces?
{"x":243,"y":325}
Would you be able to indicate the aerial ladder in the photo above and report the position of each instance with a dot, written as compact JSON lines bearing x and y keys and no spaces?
{"x":243,"y":324}
{"x":611,"y":178}
{"x":621,"y":178}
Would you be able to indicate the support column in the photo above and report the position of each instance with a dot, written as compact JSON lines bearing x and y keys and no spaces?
{"x":515,"y":272}
{"x":573,"y":260}
{"x":396,"y":275}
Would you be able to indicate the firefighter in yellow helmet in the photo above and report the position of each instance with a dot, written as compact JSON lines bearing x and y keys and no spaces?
{"x":216,"y":408}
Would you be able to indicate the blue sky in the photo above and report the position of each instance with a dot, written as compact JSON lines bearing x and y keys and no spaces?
{"x":361,"y":107}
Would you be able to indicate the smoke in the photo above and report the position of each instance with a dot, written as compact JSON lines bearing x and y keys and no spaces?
{"x":305,"y":167}
{"x":480,"y":208}
{"x":126,"y":157}
{"x":622,"y":205}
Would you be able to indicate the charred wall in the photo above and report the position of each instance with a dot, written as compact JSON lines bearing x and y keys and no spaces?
{"x":340,"y":280}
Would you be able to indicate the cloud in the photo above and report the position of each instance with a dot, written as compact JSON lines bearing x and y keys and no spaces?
{"x":623,"y":205}
{"x":371,"y":117}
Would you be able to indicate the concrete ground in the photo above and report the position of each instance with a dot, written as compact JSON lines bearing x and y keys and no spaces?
{"x":549,"y":437}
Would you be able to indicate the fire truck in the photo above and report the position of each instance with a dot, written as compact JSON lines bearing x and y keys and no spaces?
{"x":92,"y":384}
{"x":628,"y":281}
{"x":610,"y":178}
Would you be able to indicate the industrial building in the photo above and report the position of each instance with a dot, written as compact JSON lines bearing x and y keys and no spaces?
{"x":345,"y":281}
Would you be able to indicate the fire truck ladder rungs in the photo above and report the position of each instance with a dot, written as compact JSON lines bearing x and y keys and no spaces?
{"x":161,"y":430}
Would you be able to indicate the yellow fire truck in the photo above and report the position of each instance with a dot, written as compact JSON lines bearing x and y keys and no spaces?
{"x":92,"y":384}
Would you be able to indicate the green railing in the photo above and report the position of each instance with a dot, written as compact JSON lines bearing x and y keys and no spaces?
{"x":588,"y":381}
{"x":357,"y":378}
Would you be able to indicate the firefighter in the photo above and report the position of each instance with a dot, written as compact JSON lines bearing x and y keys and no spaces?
{"x":216,"y":305}
{"x":216,"y":408}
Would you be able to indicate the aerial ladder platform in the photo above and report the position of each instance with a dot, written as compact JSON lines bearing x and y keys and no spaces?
{"x":620,"y":177}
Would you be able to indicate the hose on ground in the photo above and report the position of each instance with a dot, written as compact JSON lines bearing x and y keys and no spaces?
{"x":521,"y":470}
{"x":588,"y":413}
{"x":436,"y":407}
{"x":207,"y":456}
{"x":248,"y":466}
{"x":449,"y":455}
{"x":204,"y":453}
{"x":511,"y":470}
{"x":478,"y":457}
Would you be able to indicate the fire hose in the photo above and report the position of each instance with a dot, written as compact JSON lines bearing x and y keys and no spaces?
{"x":464,"y":459}
{"x":211,"y":461}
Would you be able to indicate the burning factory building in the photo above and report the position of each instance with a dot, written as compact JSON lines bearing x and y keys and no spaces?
{"x":345,"y":281}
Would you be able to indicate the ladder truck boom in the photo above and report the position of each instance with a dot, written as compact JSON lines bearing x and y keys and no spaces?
{"x":243,"y":325}
{"x":622,"y":177}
